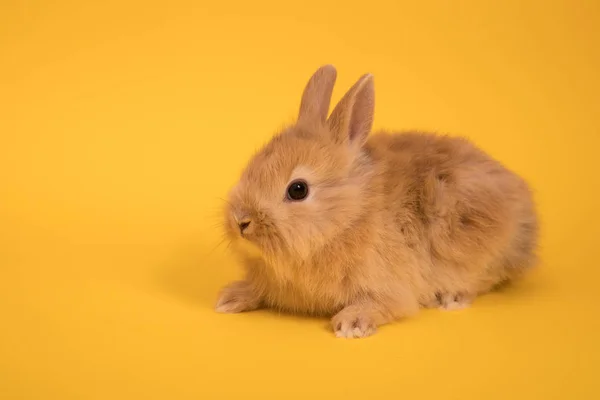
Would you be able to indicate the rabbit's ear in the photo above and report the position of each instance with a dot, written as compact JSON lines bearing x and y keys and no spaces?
{"x":352,"y":118}
{"x":317,"y":95}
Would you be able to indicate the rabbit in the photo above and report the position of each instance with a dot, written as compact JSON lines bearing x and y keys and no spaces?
{"x":331,"y":221}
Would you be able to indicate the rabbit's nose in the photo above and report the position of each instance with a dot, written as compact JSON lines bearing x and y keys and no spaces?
{"x":244,"y":223}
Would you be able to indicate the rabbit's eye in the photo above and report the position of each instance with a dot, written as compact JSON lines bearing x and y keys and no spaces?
{"x":298,"y":190}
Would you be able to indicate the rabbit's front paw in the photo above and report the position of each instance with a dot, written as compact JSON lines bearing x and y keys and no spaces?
{"x":237,"y":297}
{"x":351,"y":323}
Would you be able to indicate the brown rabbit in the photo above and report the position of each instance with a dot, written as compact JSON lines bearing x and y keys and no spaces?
{"x":331,"y":222}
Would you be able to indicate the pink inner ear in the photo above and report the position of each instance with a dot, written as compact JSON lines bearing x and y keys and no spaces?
{"x":354,"y":127}
{"x":352,"y":118}
{"x":361,"y":117}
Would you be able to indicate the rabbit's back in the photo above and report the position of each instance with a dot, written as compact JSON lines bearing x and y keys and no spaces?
{"x":472,"y":220}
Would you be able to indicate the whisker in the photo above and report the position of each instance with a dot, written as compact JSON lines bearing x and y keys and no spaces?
{"x":218,"y":225}
{"x":222,"y":199}
{"x":218,"y":244}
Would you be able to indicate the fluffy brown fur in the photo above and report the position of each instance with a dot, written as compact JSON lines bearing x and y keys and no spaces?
{"x":391,"y":223}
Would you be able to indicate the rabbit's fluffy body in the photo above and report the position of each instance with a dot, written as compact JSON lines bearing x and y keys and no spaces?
{"x":391,"y":223}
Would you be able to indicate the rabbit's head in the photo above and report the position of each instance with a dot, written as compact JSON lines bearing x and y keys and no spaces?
{"x":308,"y":183}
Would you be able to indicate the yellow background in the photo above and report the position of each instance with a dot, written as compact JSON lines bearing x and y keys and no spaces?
{"x":122,"y":123}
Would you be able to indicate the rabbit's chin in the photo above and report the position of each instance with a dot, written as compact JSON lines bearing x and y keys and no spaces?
{"x":248,"y":249}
